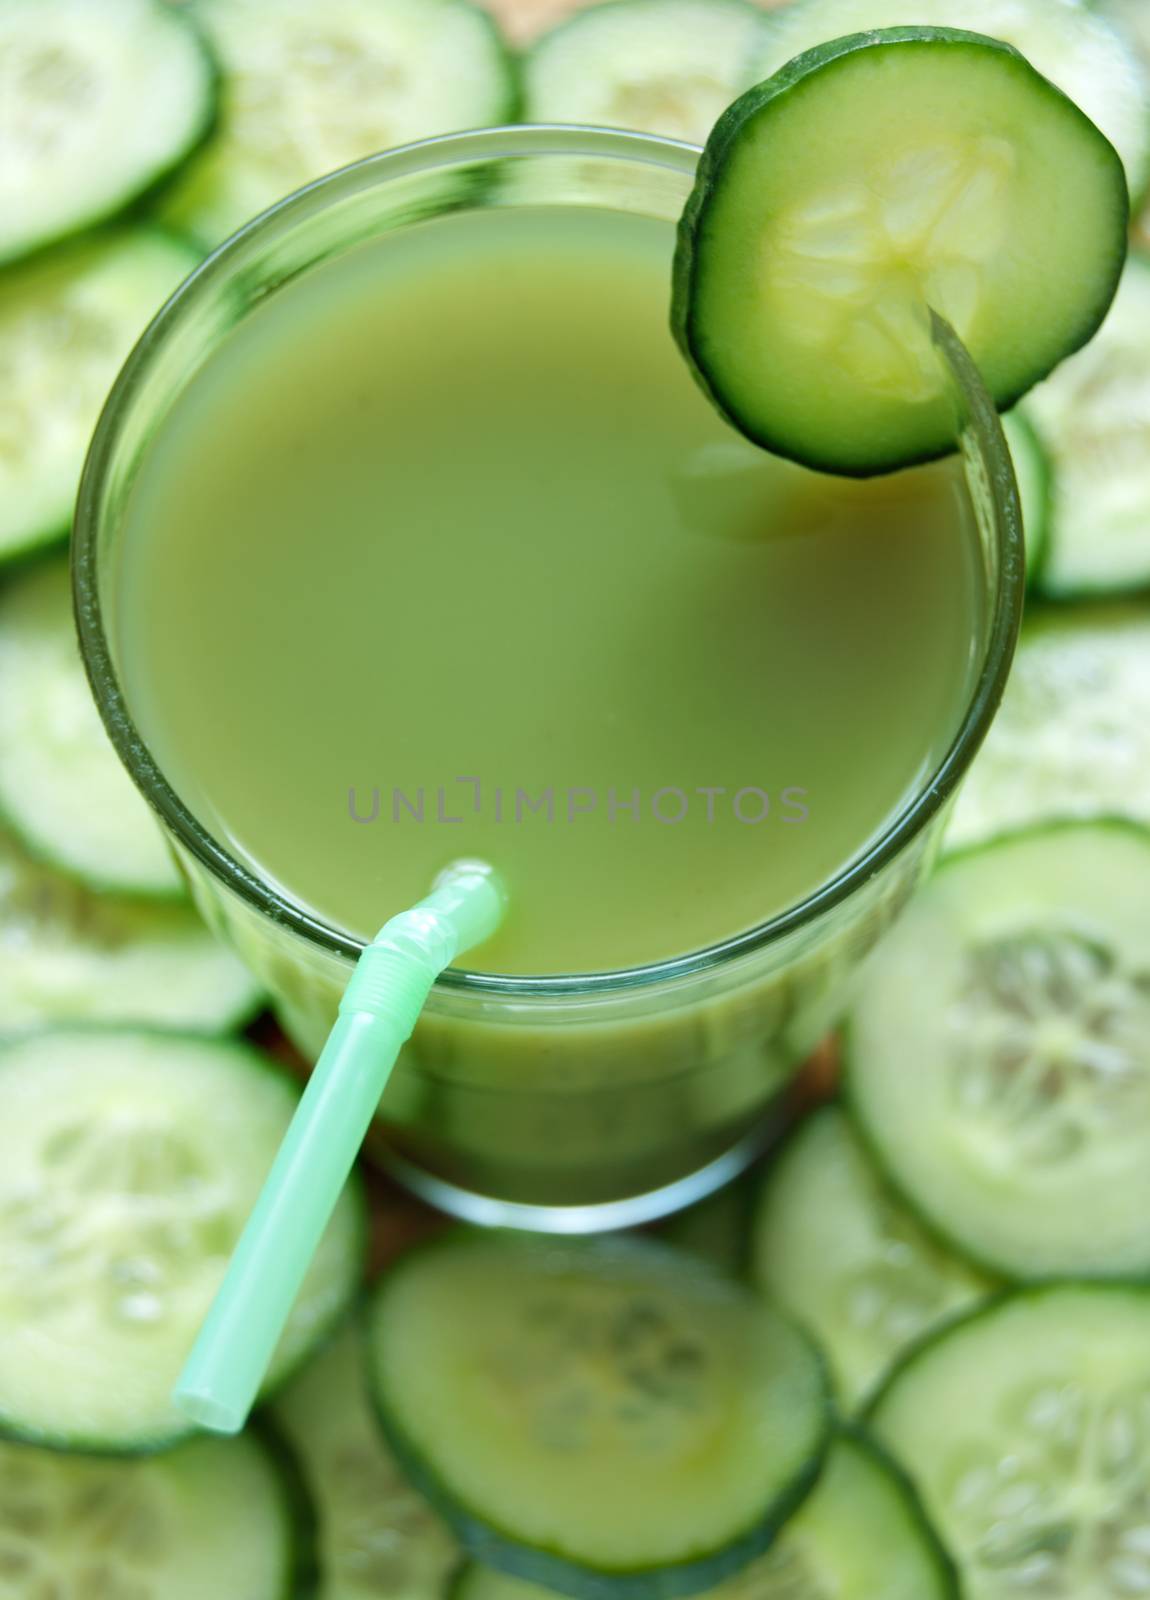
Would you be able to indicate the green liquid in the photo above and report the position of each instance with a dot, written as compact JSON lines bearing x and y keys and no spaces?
{"x":451,"y":507}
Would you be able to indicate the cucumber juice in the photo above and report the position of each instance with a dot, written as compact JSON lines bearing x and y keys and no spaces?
{"x":441,"y":552}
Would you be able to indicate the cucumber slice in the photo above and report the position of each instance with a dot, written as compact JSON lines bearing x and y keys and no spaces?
{"x":1072,"y":736}
{"x":100,"y":103}
{"x":600,"y":1416}
{"x":847,"y":1258}
{"x":1073,"y":46}
{"x":1035,"y":488}
{"x":378,"y":1537}
{"x":1094,"y":417}
{"x":659,"y":66}
{"x":871,"y":178}
{"x":999,"y":1052}
{"x":62,"y":787}
{"x":129,"y":1162}
{"x":214,"y":1517}
{"x":1131,"y":18}
{"x":313,"y":84}
{"x":860,"y":1535}
{"x":67,"y":321}
{"x":1024,"y":1429}
{"x":68,"y":955}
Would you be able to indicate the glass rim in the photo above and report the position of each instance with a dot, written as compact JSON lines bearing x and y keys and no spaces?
{"x":479,"y":145}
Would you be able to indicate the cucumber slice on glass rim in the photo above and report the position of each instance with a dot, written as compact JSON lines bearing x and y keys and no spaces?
{"x":1072,"y":736}
{"x":602,"y":1417}
{"x":660,"y":66}
{"x":1093,"y":416}
{"x":129,"y":1162}
{"x":1023,"y":1428}
{"x":859,"y":1535}
{"x":215,"y":1517}
{"x":69,"y":955}
{"x":67,"y":322}
{"x":378,"y":1539}
{"x":872,"y":182}
{"x":311,"y":85}
{"x":99,"y":104}
{"x":844,"y":1255}
{"x":998,"y":1055}
{"x":1073,"y":44}
{"x":62,"y":788}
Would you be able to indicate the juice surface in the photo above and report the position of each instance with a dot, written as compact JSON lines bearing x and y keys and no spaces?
{"x":443,"y":553}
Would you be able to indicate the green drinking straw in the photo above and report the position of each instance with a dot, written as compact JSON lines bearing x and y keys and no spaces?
{"x":379,"y":1009}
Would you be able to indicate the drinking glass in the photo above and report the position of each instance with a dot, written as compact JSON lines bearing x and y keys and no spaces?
{"x":561,"y":1103}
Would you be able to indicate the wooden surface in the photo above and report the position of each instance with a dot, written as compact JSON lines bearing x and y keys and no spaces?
{"x":524,"y":20}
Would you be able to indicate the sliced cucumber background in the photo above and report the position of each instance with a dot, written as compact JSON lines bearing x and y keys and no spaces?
{"x":998,"y":1055}
{"x":97,"y":104}
{"x":872,"y":178}
{"x":67,"y":321}
{"x":1024,"y":1429}
{"x":1068,"y":42}
{"x":129,"y":1162}
{"x":213,"y":1518}
{"x":313,"y":84}
{"x":378,"y":1538}
{"x":1132,"y":19}
{"x":1093,"y":415}
{"x":68,"y":955}
{"x":860,"y":1535}
{"x":659,"y":66}
{"x":1072,"y":736}
{"x":598,"y":1416}
{"x":62,"y":787}
{"x":848,"y":1259}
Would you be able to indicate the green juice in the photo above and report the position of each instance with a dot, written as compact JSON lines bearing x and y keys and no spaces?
{"x":442,"y":553}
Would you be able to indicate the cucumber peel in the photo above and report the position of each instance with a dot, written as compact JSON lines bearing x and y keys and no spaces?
{"x":67,"y":321}
{"x":68,"y":955}
{"x":63,"y":790}
{"x":311,"y":87}
{"x":1093,"y":417}
{"x":1035,"y":478}
{"x":1072,"y":736}
{"x":873,"y":180}
{"x":101,"y":104}
{"x":660,"y":66}
{"x":844,"y":1255}
{"x":376,"y":1535}
{"x":1090,"y":54}
{"x":215,"y":1516}
{"x":998,"y":1053}
{"x":861,"y":1534}
{"x":604,"y":1417}
{"x":1023,"y":1428}
{"x":129,"y":1162}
